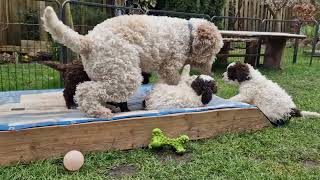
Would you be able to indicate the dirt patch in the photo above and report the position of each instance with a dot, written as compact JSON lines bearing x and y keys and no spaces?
{"x":310,"y":164}
{"x":123,"y":170}
{"x":164,"y":156}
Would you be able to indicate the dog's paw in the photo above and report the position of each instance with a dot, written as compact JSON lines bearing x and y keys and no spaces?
{"x":103,"y":114}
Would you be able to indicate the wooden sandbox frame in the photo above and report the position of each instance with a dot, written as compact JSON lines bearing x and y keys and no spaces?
{"x":53,"y":141}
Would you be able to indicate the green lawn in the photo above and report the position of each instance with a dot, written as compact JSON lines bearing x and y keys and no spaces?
{"x":27,"y":76}
{"x":290,"y":152}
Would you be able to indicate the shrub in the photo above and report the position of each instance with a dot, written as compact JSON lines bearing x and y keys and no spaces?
{"x":31,"y":18}
{"x":210,"y":7}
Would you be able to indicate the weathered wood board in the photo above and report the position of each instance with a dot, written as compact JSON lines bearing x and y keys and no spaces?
{"x":261,"y":34}
{"x":52,"y":141}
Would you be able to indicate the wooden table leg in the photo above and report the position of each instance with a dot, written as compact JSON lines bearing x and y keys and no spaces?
{"x":274,"y":51}
{"x":223,"y":54}
{"x":251,"y":48}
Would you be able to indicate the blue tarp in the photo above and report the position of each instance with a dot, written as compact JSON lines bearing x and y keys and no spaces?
{"x":23,"y":120}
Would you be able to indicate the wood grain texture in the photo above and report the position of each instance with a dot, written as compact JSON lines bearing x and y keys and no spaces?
{"x":261,"y":34}
{"x":274,"y":52}
{"x":49,"y":142}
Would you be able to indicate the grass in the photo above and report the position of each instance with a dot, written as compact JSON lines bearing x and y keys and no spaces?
{"x":289,"y":152}
{"x":27,"y":76}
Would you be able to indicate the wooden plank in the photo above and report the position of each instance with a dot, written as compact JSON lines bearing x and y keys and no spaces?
{"x":237,"y":13}
{"x":246,"y":14}
{"x":243,"y":10}
{"x":274,"y":52}
{"x":226,"y":21}
{"x":48,"y":142}
{"x":254,"y":14}
{"x":43,"y":33}
{"x":10,"y":48}
{"x":240,"y":39}
{"x":3,"y":20}
{"x":260,"y":34}
{"x":13,"y":32}
{"x":31,"y":46}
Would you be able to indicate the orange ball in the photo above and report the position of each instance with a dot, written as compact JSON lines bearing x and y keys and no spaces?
{"x":73,"y":160}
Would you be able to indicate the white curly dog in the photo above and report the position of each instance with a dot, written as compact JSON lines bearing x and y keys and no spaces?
{"x":116,"y":51}
{"x":191,"y":91}
{"x":268,"y":96}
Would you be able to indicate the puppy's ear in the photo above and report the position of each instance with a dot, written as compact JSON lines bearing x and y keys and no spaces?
{"x":239,"y":71}
{"x":206,"y":96}
{"x":204,"y":88}
{"x":214,"y":87}
{"x":197,"y":85}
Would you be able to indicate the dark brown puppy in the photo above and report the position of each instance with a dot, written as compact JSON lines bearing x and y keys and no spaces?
{"x":74,"y":74}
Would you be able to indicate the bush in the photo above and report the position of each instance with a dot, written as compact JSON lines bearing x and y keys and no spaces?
{"x":210,"y":7}
{"x":91,"y":16}
{"x":30,"y":17}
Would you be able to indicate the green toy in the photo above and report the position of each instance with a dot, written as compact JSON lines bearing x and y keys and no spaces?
{"x":158,"y":139}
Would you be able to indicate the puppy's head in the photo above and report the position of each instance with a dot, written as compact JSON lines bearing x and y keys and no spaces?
{"x":204,"y":86}
{"x":237,"y":73}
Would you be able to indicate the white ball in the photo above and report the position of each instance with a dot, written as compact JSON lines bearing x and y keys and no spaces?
{"x":73,"y":160}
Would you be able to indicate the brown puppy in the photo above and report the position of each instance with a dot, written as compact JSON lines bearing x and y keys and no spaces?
{"x":74,"y":74}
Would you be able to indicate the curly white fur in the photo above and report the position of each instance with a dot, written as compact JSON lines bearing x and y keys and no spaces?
{"x":165,"y":96}
{"x":268,"y":96}
{"x":116,"y":51}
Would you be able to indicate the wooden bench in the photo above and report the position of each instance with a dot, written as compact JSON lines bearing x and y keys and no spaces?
{"x":275,"y":44}
{"x":250,"y":54}
{"x":26,"y":47}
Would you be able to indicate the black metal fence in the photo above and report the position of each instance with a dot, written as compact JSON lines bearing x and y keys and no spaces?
{"x":18,"y":71}
{"x":25,"y":39}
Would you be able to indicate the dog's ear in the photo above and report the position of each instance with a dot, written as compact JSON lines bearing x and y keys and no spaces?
{"x":213,"y":87}
{"x":197,"y":85}
{"x":208,"y":89}
{"x":239,"y":71}
{"x":206,"y":97}
{"x":206,"y":41}
{"x":205,"y":88}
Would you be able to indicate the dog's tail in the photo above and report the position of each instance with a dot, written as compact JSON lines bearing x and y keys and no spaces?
{"x":185,"y":74}
{"x":56,"y":66}
{"x":310,"y":114}
{"x":63,"y":34}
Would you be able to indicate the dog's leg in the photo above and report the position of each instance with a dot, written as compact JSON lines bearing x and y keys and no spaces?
{"x":146,"y":77}
{"x":241,"y":98}
{"x":68,"y":93}
{"x":169,"y":72}
{"x":69,"y":100}
{"x":123,"y":107}
{"x":91,"y":95}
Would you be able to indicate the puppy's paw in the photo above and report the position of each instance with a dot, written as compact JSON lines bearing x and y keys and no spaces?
{"x":103,"y":114}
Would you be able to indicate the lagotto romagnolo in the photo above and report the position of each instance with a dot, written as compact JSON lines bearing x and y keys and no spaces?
{"x":191,"y":91}
{"x":117,"y":50}
{"x":269,"y":97}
